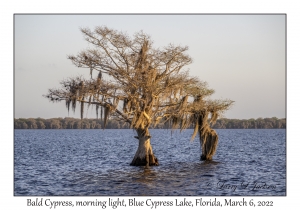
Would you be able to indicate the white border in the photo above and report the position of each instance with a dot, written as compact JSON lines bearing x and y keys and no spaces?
{"x":8,"y":8}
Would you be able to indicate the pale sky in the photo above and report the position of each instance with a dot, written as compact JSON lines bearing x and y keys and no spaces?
{"x":241,"y":57}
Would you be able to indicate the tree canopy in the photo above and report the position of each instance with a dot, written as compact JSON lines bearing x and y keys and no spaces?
{"x":139,"y":85}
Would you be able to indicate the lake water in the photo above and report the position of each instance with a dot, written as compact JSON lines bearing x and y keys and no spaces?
{"x":96,"y":162}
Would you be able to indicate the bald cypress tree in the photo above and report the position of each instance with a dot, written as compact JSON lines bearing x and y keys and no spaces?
{"x":142,"y":86}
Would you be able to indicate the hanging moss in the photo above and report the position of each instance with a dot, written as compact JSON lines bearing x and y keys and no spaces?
{"x":214,"y":117}
{"x":97,"y":110}
{"x":81,"y":109}
{"x":91,"y":72}
{"x":125,"y":101}
{"x":196,"y":128}
{"x":208,"y":137}
{"x":106,"y":115}
{"x":68,"y":103}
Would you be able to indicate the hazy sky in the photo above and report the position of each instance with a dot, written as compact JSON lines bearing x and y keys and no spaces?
{"x":242,"y":57}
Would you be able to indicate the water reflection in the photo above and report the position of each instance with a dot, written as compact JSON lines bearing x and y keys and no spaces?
{"x":146,"y":175}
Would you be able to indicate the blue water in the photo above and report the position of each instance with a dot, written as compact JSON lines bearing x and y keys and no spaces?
{"x":96,"y":162}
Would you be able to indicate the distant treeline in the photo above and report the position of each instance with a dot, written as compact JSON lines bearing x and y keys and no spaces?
{"x":74,"y":123}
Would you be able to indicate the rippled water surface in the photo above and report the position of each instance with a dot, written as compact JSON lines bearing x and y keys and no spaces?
{"x":96,"y":162}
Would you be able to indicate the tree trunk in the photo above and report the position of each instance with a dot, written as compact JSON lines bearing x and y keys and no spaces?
{"x":208,"y":142}
{"x":144,"y":155}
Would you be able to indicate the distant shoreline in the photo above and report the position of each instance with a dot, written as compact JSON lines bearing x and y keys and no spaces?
{"x":75,"y":123}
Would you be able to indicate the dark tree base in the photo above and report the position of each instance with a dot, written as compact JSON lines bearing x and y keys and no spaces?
{"x":203,"y":157}
{"x":151,"y":160}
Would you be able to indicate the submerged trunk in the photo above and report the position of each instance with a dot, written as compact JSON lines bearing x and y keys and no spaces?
{"x":144,"y":155}
{"x":208,"y":138}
